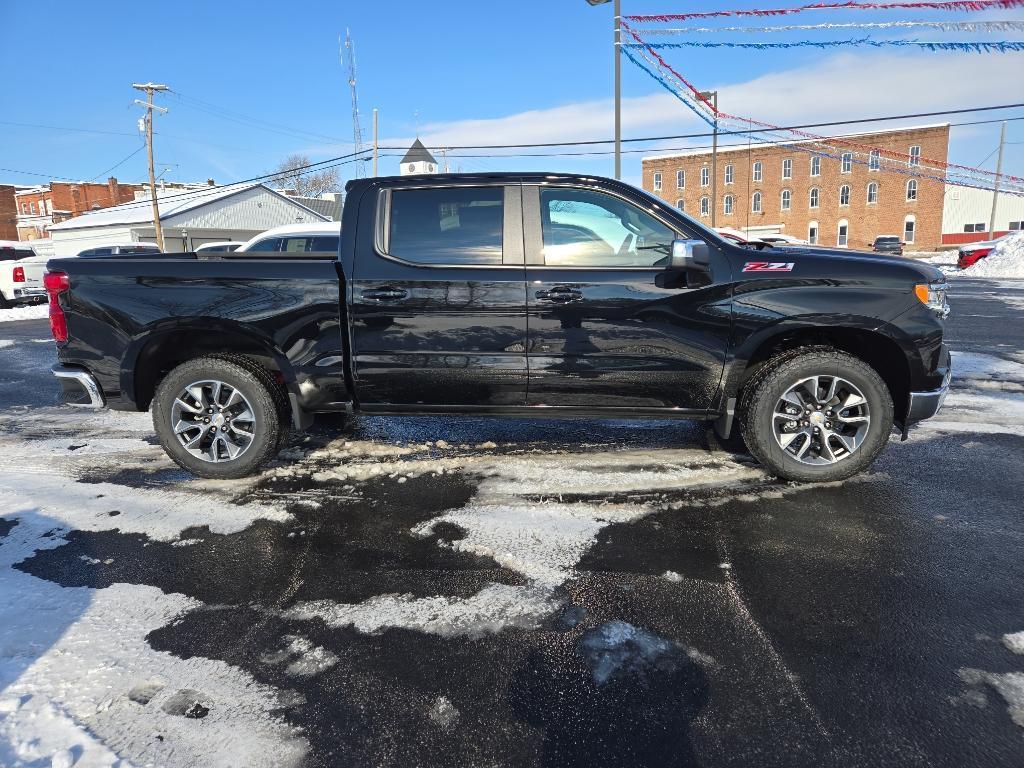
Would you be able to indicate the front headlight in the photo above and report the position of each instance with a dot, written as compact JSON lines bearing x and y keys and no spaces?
{"x":933,"y":296}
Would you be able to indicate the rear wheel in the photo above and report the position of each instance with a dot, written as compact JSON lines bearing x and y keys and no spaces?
{"x":219,"y":417}
{"x":816,"y":415}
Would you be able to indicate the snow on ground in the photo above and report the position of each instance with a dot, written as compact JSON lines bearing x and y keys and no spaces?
{"x":1015,"y":642}
{"x":519,"y":517}
{"x":74,"y":660}
{"x":1006,"y":260}
{"x":985,"y":397}
{"x":31,"y":312}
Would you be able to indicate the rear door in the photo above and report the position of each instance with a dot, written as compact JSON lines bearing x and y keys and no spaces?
{"x":438,"y":300}
{"x":606,"y":329}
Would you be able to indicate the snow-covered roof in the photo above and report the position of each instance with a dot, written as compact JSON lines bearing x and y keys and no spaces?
{"x":141,"y":211}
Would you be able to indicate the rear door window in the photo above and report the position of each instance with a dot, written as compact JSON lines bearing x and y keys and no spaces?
{"x":454,"y":225}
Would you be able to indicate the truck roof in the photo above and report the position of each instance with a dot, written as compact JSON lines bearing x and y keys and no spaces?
{"x":482,"y":177}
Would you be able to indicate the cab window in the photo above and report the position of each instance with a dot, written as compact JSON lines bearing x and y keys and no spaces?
{"x":265,"y":246}
{"x":454,"y":225}
{"x":583,"y":228}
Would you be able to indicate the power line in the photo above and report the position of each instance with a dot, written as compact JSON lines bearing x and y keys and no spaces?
{"x":118,"y":164}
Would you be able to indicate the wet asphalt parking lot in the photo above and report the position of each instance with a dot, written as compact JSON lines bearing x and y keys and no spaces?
{"x":438,"y":592}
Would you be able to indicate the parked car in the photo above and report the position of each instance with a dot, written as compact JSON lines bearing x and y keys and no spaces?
{"x":292,"y":239}
{"x":971,"y":253}
{"x":888,"y":244}
{"x":740,"y":238}
{"x":119,"y":249}
{"x":21,"y":274}
{"x":222,"y":246}
{"x":778,"y":238}
{"x":511,"y":295}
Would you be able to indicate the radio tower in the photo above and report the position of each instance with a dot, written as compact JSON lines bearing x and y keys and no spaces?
{"x":357,"y":130}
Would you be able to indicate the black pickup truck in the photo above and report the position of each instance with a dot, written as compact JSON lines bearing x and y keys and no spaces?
{"x":527,"y":295}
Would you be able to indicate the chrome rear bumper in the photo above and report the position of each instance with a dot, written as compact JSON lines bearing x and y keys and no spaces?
{"x":79,"y":387}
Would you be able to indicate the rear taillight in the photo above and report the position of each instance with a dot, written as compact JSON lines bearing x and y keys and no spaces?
{"x":19,"y":275}
{"x":57,"y":283}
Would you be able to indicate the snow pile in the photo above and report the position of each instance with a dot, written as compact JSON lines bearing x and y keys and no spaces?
{"x":984,"y":397}
{"x":1006,"y":260}
{"x":1015,"y":642}
{"x":31,"y":312}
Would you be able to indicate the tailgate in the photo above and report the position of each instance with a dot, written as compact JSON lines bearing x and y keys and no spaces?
{"x":34,"y":268}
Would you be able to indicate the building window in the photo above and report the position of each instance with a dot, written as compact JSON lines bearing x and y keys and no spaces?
{"x":847,"y":161}
{"x":705,"y":206}
{"x":755,"y":203}
{"x":680,"y":179}
{"x":977,"y":227}
{"x":843,"y":233}
{"x":32,"y":206}
{"x":24,"y":208}
{"x":787,"y":168}
{"x":816,"y":165}
{"x":728,"y":174}
{"x":844,"y":194}
{"x":915,"y":156}
{"x":657,"y":181}
{"x":757,"y":171}
{"x":787,"y":199}
{"x":872,"y":193}
{"x":875,"y":160}
{"x":681,"y":204}
{"x":814,"y":197}
{"x":705,"y":176}
{"x":1016,"y":226}
{"x":812,"y":233}
{"x":909,"y":225}
{"x":912,"y":189}
{"x":727,"y":205}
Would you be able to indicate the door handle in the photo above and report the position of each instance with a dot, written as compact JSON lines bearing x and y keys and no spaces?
{"x":560,"y":294}
{"x":384,"y":294}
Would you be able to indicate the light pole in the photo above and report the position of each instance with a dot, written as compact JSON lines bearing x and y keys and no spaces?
{"x":713,"y":95}
{"x":618,"y":83}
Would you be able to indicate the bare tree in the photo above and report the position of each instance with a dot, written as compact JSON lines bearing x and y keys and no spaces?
{"x":306,"y":183}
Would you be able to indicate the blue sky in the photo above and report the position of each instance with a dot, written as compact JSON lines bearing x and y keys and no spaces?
{"x":455,"y":72}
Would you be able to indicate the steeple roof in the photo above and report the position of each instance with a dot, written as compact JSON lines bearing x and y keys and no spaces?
{"x":418,"y":154}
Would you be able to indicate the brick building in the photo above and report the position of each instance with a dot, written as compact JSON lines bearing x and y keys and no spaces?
{"x":58,"y":201}
{"x":8,"y":213}
{"x":788,"y":188}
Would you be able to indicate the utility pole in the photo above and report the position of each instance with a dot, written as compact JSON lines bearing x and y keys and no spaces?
{"x":713,"y":95}
{"x":375,"y":145}
{"x":995,"y":188}
{"x":618,"y":83}
{"x":151,"y":88}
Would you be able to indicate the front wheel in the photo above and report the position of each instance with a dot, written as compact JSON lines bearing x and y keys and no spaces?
{"x":218,"y":418}
{"x":817,"y":416}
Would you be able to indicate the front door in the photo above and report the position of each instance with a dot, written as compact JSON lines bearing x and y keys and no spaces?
{"x":605,"y":330}
{"x":438,"y":301}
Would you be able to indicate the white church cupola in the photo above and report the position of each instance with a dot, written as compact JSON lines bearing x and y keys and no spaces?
{"x":418,"y":160}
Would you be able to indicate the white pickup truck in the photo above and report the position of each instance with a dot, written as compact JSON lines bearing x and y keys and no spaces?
{"x":21,"y":274}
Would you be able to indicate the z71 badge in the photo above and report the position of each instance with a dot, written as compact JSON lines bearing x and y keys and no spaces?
{"x":768,"y":266}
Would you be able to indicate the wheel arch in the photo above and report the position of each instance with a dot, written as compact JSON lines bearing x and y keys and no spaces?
{"x":151,"y":356}
{"x":883,"y":353}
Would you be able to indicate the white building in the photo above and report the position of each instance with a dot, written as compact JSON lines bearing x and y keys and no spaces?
{"x":418,"y":160}
{"x":966,"y":213}
{"x":188,"y":219}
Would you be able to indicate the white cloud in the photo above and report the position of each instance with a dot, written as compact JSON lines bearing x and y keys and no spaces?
{"x":835,"y":87}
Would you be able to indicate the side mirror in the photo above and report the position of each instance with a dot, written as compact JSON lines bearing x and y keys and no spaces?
{"x":690,"y":254}
{"x":689,"y":266}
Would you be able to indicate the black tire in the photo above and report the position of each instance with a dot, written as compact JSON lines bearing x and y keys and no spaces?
{"x":265,"y":397}
{"x":773,"y":380}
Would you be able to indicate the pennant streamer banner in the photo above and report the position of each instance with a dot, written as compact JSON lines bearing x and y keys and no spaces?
{"x":834,"y":147}
{"x":942,"y":26}
{"x":1002,"y":46}
{"x":950,"y":5}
